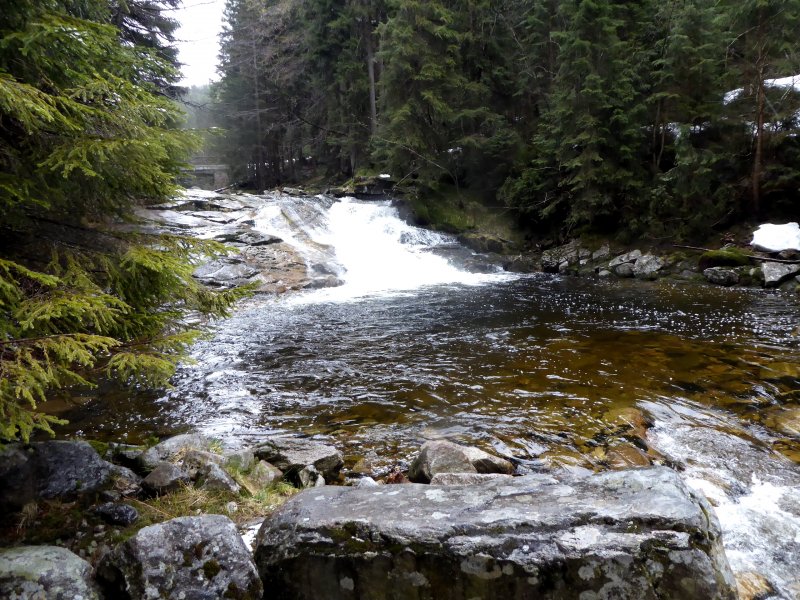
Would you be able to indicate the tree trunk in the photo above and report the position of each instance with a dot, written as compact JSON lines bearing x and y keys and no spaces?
{"x":758,"y":157}
{"x":373,"y":99}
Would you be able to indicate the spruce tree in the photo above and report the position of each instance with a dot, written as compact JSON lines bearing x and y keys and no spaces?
{"x":85,"y":134}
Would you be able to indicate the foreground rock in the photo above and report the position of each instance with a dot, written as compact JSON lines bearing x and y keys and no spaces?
{"x":45,"y":572}
{"x":303,"y":461}
{"x":171,"y":449}
{"x":189,"y":557}
{"x":441,"y":456}
{"x":627,"y":535}
{"x":50,"y":470}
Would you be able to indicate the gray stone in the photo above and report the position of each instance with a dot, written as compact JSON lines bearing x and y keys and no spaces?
{"x":165,"y":478}
{"x":601,"y":253}
{"x":647,"y":266}
{"x":524,"y":263}
{"x":367,"y":482}
{"x":194,"y":461}
{"x":775,"y":273}
{"x":264,"y":474}
{"x":117,"y":514}
{"x":60,"y":470}
{"x":196,"y":558}
{"x":628,"y":257}
{"x":629,"y":535}
{"x":605,"y":274}
{"x":249,"y":238}
{"x":721,"y":276}
{"x":215,"y":478}
{"x":172,"y":449}
{"x":242,"y":460}
{"x":292,"y":454}
{"x":45,"y":573}
{"x":308,"y":476}
{"x":553,"y":258}
{"x":624,"y":270}
{"x":439,"y":456}
{"x":466,"y":478}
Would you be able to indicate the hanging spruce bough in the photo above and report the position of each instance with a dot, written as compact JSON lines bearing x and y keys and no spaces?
{"x":86,"y":132}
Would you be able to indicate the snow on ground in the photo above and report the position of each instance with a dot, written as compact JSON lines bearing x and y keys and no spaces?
{"x":774,"y":238}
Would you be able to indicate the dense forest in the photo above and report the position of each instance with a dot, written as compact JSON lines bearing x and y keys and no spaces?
{"x":661,"y":118}
{"x":89,"y":129}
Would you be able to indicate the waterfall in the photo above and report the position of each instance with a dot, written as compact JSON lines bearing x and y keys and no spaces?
{"x":366,"y":245}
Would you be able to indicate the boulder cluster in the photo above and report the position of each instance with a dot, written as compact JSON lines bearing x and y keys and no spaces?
{"x":470,"y":528}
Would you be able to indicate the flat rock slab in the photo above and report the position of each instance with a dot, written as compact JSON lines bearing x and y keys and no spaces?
{"x":198,"y":558}
{"x":636,"y":535}
{"x":45,"y":573}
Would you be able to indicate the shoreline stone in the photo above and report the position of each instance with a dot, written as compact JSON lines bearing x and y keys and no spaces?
{"x":631,"y":534}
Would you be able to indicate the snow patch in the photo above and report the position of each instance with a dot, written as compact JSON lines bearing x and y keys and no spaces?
{"x":775,"y":238}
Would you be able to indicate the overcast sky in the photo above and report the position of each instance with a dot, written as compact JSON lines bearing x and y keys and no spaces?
{"x":201,"y":23}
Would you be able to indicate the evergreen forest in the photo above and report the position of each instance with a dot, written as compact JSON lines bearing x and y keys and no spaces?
{"x":667,"y":119}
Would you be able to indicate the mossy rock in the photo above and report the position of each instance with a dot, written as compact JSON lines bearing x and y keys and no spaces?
{"x":726,"y":257}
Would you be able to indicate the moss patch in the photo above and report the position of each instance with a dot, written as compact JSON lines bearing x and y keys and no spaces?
{"x":727,"y":257}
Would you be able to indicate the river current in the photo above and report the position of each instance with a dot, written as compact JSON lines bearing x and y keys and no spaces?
{"x":555,"y":372}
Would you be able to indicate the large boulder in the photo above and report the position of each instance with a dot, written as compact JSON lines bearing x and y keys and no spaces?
{"x":441,"y":456}
{"x":45,"y":572}
{"x":555,"y":257}
{"x":293,"y":455}
{"x":628,"y":257}
{"x":199,"y":558}
{"x":638,"y":534}
{"x":60,"y":470}
{"x":165,"y":478}
{"x":776,"y":273}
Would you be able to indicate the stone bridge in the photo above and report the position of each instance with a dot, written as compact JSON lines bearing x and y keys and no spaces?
{"x":206,"y":174}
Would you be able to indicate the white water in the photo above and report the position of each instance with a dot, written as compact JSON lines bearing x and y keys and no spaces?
{"x":366,"y":245}
{"x":755,"y":491}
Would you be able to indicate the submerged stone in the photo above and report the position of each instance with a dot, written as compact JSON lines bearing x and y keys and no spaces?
{"x":638,"y":534}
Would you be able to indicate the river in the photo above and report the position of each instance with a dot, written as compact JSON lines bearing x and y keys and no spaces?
{"x":549,"y":370}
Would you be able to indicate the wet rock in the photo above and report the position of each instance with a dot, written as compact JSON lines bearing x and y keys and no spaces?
{"x":45,"y":573}
{"x":291,"y":455}
{"x":721,"y":276}
{"x":629,"y":534}
{"x":194,"y":461}
{"x":264,"y":474}
{"x":171,"y":449}
{"x":308,"y":477}
{"x":628,"y":257}
{"x":441,"y":456}
{"x":198,"y":558}
{"x":165,"y":478}
{"x":753,"y":586}
{"x":786,"y":421}
{"x":225,"y":271}
{"x":647,"y":267}
{"x":241,"y":460}
{"x":552,"y":259}
{"x":601,"y":253}
{"x":624,"y":270}
{"x":628,"y":418}
{"x":215,"y":478}
{"x":248,"y":238}
{"x":117,"y":514}
{"x":483,"y":243}
{"x":524,"y":263}
{"x":776,"y":273}
{"x":60,"y":470}
{"x":626,"y":457}
{"x":605,"y":274}
{"x":466,"y":478}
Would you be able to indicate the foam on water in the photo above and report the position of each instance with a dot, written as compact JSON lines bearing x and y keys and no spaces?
{"x":755,"y":492}
{"x":366,"y":245}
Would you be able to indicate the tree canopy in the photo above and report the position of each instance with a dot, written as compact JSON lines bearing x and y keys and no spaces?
{"x":583,"y":114}
{"x":87,"y":132}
